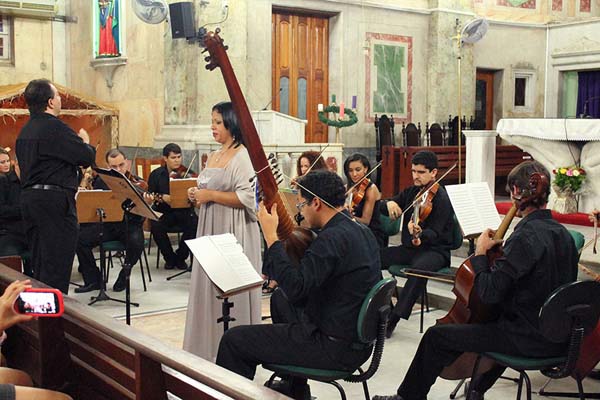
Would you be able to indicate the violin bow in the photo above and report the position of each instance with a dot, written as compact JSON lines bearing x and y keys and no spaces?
{"x":317,"y":159}
{"x":190,"y":165}
{"x":416,"y":200}
{"x":363,"y":178}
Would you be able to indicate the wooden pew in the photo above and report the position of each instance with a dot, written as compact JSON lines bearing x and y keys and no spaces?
{"x":397,"y":162}
{"x":91,"y":356}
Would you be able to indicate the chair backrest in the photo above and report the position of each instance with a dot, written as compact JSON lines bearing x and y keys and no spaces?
{"x":412,"y":135}
{"x":389,"y":227}
{"x":572,"y":304}
{"x":457,"y":236}
{"x":436,"y":135}
{"x":373,"y":308}
{"x":578,"y":238}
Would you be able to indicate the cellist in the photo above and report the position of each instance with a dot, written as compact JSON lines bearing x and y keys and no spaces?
{"x":183,"y":218}
{"x":425,"y":245}
{"x":539,"y":256}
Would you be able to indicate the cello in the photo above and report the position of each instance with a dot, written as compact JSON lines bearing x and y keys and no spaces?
{"x":468,"y":307}
{"x":295,"y":239}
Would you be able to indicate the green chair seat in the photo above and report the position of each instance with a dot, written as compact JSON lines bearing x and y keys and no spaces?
{"x":324,"y":375}
{"x":113,"y":245}
{"x":525,"y":363}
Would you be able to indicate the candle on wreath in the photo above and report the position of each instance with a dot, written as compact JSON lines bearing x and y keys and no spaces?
{"x":341,"y":110}
{"x":333,"y":98}
{"x":320,"y":107}
{"x":354,"y":102}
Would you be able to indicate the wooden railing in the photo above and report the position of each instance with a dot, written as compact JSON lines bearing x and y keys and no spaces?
{"x":397,"y":162}
{"x":94,"y":357}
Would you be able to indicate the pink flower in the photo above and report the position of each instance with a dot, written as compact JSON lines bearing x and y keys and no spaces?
{"x":570,"y":172}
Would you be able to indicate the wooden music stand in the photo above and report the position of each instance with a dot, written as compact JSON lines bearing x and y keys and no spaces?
{"x":178,"y":191}
{"x":100,"y":206}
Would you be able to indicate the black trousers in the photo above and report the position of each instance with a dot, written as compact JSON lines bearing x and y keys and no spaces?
{"x":183,"y":218}
{"x":442,"y":344}
{"x":242,"y":348}
{"x":89,"y":237}
{"x":51,"y":227}
{"x":423,"y":259}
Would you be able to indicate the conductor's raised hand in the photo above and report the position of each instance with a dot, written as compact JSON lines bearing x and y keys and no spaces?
{"x":268,"y":222}
{"x":84,"y":136}
{"x":594,"y":216}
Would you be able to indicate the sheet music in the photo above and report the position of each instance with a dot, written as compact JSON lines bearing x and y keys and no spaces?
{"x":224,"y":261}
{"x":474,"y":207}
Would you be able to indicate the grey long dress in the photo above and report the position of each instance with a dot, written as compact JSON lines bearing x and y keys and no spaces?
{"x":202,"y":333}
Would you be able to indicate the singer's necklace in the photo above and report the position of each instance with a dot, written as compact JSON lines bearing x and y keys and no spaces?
{"x":221,"y":152}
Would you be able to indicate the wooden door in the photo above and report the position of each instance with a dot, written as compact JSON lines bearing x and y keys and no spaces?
{"x":484,"y":100}
{"x":300,"y":68}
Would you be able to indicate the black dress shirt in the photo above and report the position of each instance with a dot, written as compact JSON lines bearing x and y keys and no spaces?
{"x":335,"y":274}
{"x":539,"y":256}
{"x":49,"y":153}
{"x":158,"y":182}
{"x":11,"y":220}
{"x":437,"y":227}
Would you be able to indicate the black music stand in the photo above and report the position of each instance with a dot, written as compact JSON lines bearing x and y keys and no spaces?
{"x":132,"y":202}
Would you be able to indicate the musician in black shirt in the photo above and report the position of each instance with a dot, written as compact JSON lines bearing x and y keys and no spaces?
{"x":335,"y":274}
{"x":539,"y":256}
{"x":182,"y":218}
{"x":431,"y":251}
{"x":129,"y":231}
{"x":13,"y":241}
{"x":49,"y":153}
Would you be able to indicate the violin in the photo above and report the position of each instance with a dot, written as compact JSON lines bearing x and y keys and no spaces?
{"x":359,"y":192}
{"x":468,"y":307}
{"x":422,"y":208}
{"x":182,"y":172}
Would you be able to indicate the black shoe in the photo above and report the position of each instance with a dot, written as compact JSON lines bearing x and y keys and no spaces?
{"x":169,"y":266}
{"x":120,"y":283}
{"x":393,"y":321}
{"x":392,"y":397}
{"x":297,"y":391}
{"x":476,"y":395}
{"x":181,"y":264}
{"x":88,"y":288}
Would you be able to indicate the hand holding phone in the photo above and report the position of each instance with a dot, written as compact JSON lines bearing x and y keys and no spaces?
{"x":8,"y":315}
{"x":40,"y":302}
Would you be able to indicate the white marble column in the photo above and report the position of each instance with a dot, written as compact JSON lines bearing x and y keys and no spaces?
{"x":481,"y":157}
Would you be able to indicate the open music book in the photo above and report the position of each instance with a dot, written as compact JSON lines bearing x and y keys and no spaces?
{"x":474,"y":207}
{"x":224,"y":262}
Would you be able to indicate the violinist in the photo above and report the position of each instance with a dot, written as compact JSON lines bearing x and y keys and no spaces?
{"x":12,"y":231}
{"x":539,"y":256}
{"x":363,"y":200}
{"x":49,"y":153}
{"x":181,"y":218}
{"x":425,"y":245}
{"x":127,"y":231}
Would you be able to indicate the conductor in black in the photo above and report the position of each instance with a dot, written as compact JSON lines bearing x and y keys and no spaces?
{"x":49,"y":153}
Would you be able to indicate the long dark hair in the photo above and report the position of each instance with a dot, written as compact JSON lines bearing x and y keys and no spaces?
{"x":230,"y":121}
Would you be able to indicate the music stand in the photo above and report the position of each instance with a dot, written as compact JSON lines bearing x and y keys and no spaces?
{"x":178,"y":191}
{"x":132,"y":202}
{"x":100,"y":206}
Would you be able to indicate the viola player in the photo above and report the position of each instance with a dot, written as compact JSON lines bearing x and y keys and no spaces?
{"x":539,"y":256}
{"x":430,"y":251}
{"x":184,"y":219}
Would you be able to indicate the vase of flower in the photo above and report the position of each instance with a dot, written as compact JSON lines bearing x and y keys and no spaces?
{"x":567,"y":184}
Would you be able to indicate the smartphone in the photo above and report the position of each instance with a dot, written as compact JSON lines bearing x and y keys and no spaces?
{"x":40,"y":302}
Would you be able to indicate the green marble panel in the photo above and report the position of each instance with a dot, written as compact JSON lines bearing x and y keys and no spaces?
{"x":389,"y":62}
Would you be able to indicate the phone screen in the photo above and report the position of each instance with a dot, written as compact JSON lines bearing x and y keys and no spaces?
{"x":38,"y":303}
